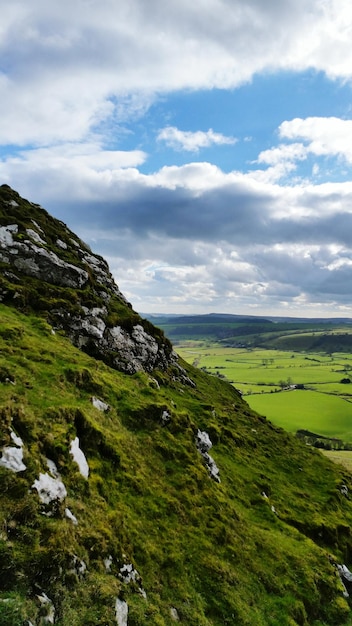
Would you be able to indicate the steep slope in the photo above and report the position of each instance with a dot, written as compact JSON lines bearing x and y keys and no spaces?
{"x":114,"y":507}
{"x":46,"y":268}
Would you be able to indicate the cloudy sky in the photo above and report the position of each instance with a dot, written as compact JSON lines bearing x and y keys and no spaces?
{"x":204,"y":149}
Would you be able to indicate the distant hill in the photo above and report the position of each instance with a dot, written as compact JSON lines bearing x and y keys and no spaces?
{"x":318,"y":334}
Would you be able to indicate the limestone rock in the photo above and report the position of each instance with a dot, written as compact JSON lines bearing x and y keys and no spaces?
{"x":95,"y":315}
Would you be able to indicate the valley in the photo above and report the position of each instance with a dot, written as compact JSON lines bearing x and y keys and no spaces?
{"x":298,"y":374}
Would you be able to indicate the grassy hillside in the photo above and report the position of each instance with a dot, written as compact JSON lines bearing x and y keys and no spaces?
{"x":259,"y":548}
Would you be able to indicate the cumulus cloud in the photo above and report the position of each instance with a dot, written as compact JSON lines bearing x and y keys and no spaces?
{"x":268,"y":246}
{"x":82,"y":63}
{"x":318,"y":137}
{"x":192,"y":141}
{"x":323,"y":136}
{"x":192,"y":235}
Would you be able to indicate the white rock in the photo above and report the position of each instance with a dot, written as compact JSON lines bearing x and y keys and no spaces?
{"x":95,"y":311}
{"x":128,"y":573}
{"x":94,"y":261}
{"x":61,"y":244}
{"x":38,"y":227}
{"x":79,"y":566}
{"x":174,"y":614}
{"x":203,"y":441}
{"x":99,"y":404}
{"x":71,"y":517}
{"x":121,"y":609}
{"x":12,"y":459}
{"x":212,"y":467}
{"x":141,"y":336}
{"x":165,"y":418}
{"x":94,"y":326}
{"x":49,"y":489}
{"x":345,"y":572}
{"x":47,"y":605}
{"x":52,"y":468}
{"x":79,"y":457}
{"x":6,"y":238}
{"x":16,"y":439}
{"x":34,"y":235}
{"x":204,"y":444}
{"x":108,"y":563}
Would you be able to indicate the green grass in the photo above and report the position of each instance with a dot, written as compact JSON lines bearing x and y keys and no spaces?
{"x":294,"y":410}
{"x":215,"y":552}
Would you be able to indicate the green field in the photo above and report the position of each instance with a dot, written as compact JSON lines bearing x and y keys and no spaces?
{"x":325,"y":414}
{"x":324,"y":406}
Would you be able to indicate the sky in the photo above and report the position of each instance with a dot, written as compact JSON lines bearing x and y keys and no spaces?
{"x":204,"y":149}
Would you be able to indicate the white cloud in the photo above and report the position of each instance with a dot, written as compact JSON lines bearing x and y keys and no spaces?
{"x":324,"y":136}
{"x":319,"y":137}
{"x":192,"y":141}
{"x":67,"y":66}
{"x":73,"y":72}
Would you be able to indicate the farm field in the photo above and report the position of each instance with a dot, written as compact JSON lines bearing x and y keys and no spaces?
{"x":342,"y":457}
{"x":322,"y":404}
{"x":326,"y":414}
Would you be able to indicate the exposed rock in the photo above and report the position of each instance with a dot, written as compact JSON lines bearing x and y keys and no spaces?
{"x":78,"y":567}
{"x":12,"y":459}
{"x":100,"y":405}
{"x":174,"y":614}
{"x":6,"y":238}
{"x":346,"y":579}
{"x":47,"y":610}
{"x":35,"y":236}
{"x":79,"y":457}
{"x":51,"y":490}
{"x":204,"y":444}
{"x":71,"y":517}
{"x":344,"y":490}
{"x":121,"y":610}
{"x":165,"y":417}
{"x":46,"y":250}
{"x":135,"y":351}
{"x":203,"y":441}
{"x":38,"y":262}
{"x":129,"y":574}
{"x":12,"y":456}
{"x":108,"y":563}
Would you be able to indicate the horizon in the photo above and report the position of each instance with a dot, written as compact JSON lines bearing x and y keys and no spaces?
{"x":244,"y":315}
{"x":204,"y":151}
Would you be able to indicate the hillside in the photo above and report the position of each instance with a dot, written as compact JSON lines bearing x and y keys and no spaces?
{"x":134,"y":488}
{"x":322,"y":335}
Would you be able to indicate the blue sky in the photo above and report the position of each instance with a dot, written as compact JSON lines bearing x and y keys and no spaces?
{"x":204,"y":150}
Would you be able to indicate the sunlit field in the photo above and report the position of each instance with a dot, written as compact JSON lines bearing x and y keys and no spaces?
{"x":342,"y":457}
{"x":325,"y":414}
{"x":267,"y":379}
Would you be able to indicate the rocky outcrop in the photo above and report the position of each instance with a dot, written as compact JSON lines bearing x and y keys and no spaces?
{"x":36,"y":260}
{"x":46,"y":266}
